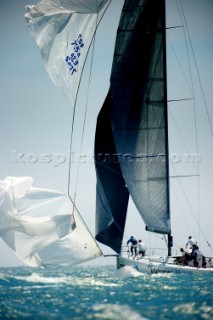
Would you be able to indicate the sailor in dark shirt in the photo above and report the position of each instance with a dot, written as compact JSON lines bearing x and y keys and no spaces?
{"x":133,"y":242}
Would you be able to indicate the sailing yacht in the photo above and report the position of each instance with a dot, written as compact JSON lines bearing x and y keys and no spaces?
{"x":131,"y":144}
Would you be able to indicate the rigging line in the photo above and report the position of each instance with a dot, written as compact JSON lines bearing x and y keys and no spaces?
{"x":187,"y":149}
{"x":82,"y":135}
{"x":84,"y":123}
{"x":72,"y":131}
{"x":83,"y":222}
{"x":194,"y":104}
{"x":87,"y":99}
{"x":71,"y":139}
{"x":196,"y":130}
{"x":187,"y":200}
{"x":190,"y":70}
{"x":70,"y":146}
{"x":86,"y":105}
{"x":178,"y":61}
{"x":187,"y":50}
{"x":181,"y":210}
{"x":196,"y":66}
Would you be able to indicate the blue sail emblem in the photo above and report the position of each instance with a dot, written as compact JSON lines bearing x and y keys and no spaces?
{"x":73,"y":59}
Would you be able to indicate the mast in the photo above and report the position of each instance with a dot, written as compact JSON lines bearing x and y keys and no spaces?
{"x":170,"y":239}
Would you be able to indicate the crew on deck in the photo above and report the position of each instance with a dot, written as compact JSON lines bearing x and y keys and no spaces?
{"x":133,"y":242}
{"x":193,"y":254}
{"x":190,"y":242}
{"x":141,"y":249}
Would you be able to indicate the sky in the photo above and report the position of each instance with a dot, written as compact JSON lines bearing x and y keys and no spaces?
{"x":35,"y":119}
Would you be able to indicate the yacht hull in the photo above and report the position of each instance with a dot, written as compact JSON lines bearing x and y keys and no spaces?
{"x":154,"y":265}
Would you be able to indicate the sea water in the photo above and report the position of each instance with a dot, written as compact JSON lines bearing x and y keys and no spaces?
{"x":103,"y":292}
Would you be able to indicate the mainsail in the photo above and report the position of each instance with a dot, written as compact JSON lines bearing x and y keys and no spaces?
{"x":63,"y":31}
{"x":40,"y":227}
{"x":137,"y":103}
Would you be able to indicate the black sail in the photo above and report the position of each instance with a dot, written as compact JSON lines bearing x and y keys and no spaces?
{"x":112,"y":194}
{"x":137,"y":101}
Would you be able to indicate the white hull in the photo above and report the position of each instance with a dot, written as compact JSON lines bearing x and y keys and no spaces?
{"x":152,"y":265}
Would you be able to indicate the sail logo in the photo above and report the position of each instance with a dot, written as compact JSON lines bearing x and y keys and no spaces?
{"x":73,"y":59}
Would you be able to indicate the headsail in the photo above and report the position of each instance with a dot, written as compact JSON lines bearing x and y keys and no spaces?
{"x":137,"y":101}
{"x":63,"y":31}
{"x":47,"y":220}
{"x":38,"y":225}
{"x":111,"y":195}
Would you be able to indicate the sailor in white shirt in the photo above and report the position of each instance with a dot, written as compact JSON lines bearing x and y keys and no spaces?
{"x":141,"y":248}
{"x":191,"y":242}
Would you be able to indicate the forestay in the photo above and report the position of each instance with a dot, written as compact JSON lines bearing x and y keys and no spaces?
{"x":39,"y":226}
{"x":63,"y":31}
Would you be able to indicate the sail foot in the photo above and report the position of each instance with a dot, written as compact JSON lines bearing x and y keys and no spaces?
{"x":157,"y":230}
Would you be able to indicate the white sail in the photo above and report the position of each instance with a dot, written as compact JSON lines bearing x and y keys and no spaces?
{"x":40,"y":227}
{"x":63,"y":31}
